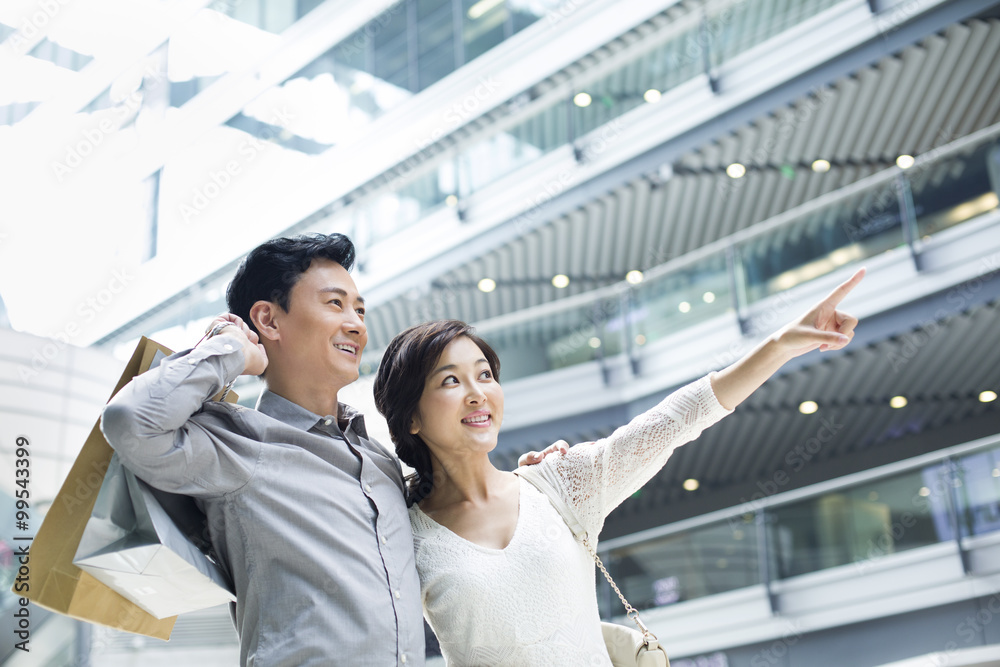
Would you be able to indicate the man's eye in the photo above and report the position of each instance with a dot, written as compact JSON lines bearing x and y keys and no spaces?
{"x":334,"y":301}
{"x":361,"y":312}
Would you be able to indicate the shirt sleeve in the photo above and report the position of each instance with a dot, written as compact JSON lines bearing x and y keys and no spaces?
{"x":595,"y":478}
{"x":151,"y":423}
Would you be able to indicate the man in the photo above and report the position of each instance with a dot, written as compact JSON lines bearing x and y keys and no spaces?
{"x":304,"y":510}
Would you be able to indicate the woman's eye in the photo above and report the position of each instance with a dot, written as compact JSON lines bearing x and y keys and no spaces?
{"x":486,"y":375}
{"x":451,"y":379}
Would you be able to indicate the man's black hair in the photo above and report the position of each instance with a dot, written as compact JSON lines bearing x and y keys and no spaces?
{"x":271,"y":269}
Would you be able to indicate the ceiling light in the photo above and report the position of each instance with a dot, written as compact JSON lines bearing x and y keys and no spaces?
{"x":480,"y":8}
{"x":487,"y":285}
{"x":582,"y":100}
{"x":594,"y":342}
{"x":996,"y":472}
{"x":684,"y":307}
{"x":559,"y":281}
{"x":691,"y":485}
{"x":708,"y":297}
{"x":821,"y":166}
{"x":451,"y":200}
{"x":905,"y":161}
{"x":987,"y":396}
{"x":652,"y":96}
{"x":808,"y":407}
{"x":736,"y":170}
{"x":634,"y":277}
{"x":640,"y":340}
{"x":924,"y":491}
{"x":898,"y":401}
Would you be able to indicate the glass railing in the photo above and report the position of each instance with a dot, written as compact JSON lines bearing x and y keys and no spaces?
{"x":898,"y":508}
{"x":956,"y":184}
{"x":678,"y":53}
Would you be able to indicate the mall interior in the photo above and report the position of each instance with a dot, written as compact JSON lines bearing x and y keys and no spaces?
{"x":622,"y":196}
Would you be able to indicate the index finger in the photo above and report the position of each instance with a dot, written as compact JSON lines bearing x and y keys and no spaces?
{"x":842,"y":290}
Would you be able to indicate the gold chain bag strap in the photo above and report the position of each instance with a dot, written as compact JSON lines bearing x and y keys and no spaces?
{"x":626,"y":647}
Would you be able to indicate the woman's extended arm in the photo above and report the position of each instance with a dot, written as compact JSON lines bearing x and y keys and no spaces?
{"x":823,"y":327}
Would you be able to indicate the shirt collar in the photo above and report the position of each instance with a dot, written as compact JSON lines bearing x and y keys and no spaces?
{"x":293,"y":414}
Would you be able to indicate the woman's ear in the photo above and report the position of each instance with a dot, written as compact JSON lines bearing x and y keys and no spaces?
{"x":414,"y":424}
{"x":263,"y":314}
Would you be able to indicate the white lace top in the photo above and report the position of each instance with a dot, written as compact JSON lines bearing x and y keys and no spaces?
{"x":534,"y":602}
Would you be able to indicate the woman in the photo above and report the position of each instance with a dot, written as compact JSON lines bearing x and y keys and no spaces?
{"x":502,"y":579}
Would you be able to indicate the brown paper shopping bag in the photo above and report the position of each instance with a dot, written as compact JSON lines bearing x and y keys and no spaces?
{"x":54,"y":582}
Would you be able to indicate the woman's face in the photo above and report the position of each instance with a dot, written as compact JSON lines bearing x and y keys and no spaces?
{"x":461,"y":408}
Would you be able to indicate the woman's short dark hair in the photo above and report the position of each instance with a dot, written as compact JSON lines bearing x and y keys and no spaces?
{"x":271,"y":269}
{"x":399,"y":384}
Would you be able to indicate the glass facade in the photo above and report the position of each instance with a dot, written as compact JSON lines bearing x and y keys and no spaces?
{"x":854,"y":525}
{"x":664,"y":63}
{"x":854,"y":224}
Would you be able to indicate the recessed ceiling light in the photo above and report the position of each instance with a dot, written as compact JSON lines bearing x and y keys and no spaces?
{"x":708,"y":297}
{"x":487,"y":285}
{"x":451,"y":200}
{"x":924,"y":491}
{"x":652,"y":96}
{"x":582,"y":100}
{"x":898,"y":401}
{"x":634,"y":277}
{"x":905,"y":161}
{"x":594,"y":342}
{"x":559,"y":280}
{"x":987,"y":396}
{"x":736,"y":170}
{"x":640,"y":340}
{"x":691,"y":484}
{"x":808,"y":407}
{"x":821,"y":166}
{"x":684,"y":307}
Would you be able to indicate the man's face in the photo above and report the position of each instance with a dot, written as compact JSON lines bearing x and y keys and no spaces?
{"x":323,"y":332}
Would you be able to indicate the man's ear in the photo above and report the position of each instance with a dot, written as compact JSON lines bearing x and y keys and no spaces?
{"x":264,"y":316}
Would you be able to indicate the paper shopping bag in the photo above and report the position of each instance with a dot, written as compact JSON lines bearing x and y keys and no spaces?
{"x":133,"y":546}
{"x":54,"y":582}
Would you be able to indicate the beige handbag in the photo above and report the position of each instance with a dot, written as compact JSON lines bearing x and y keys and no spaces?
{"x":626,"y":647}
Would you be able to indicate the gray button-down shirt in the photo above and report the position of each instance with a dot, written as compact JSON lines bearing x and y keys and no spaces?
{"x":307,"y":513}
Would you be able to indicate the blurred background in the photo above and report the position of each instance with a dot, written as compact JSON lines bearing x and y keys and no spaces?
{"x":622,"y":195}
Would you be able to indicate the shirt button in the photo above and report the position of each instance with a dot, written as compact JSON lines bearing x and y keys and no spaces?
{"x":327,"y":421}
{"x":228,"y":347}
{"x":397,"y":594}
{"x":192,"y":361}
{"x":402,"y":658}
{"x":384,"y":541}
{"x":368,"y":488}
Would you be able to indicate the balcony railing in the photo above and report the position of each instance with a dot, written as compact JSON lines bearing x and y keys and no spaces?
{"x":941,"y":497}
{"x":891,"y":209}
{"x":691,"y":45}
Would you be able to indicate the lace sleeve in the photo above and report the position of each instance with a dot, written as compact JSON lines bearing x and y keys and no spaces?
{"x":596,"y":478}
